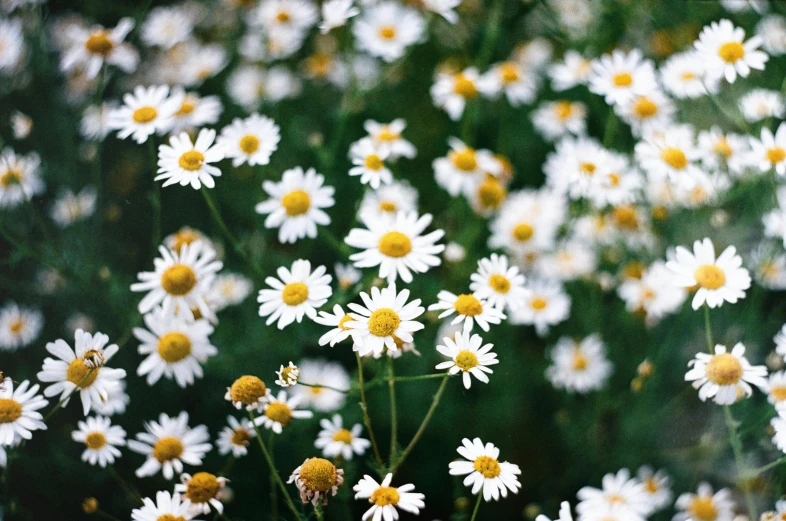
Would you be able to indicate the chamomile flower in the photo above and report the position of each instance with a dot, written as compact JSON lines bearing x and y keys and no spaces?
{"x":19,"y":415}
{"x":452,"y":92}
{"x":719,"y":148}
{"x":396,"y":245}
{"x":725,"y":54}
{"x":252,"y":140}
{"x":19,"y":326}
{"x":286,"y":16}
{"x":195,"y":111}
{"x":318,"y":373}
{"x":93,"y":48}
{"x":573,"y":70}
{"x":579,"y":366}
{"x":646,"y":113}
{"x":295,"y":294}
{"x":463,"y":167}
{"x":388,"y":200}
{"x":547,"y":305}
{"x":166,"y":27}
{"x":369,"y":160}
{"x":116,"y":402}
{"x":385,"y":316}
{"x":235,"y":437}
{"x":12,"y":44}
{"x":388,"y":136}
{"x":94,"y":125}
{"x":165,"y":506}
{"x":248,"y":391}
{"x":20,"y":178}
{"x":705,"y":504}
{"x":657,"y":484}
{"x":653,"y":293}
{"x":512,"y":79}
{"x":175,"y":347}
{"x":564,"y":513}
{"x":769,"y":152}
{"x":168,"y":443}
{"x":146,"y":111}
{"x":316,"y":479}
{"x":180,"y":280}
{"x":335,"y":13}
{"x":759,"y":104}
{"x":498,"y":283}
{"x":70,"y":207}
{"x":682,"y":76}
{"x":671,"y":152}
{"x":288,"y":375}
{"x":386,"y":29}
{"x":337,"y":321}
{"x":336,"y":441}
{"x":527,"y":221}
{"x":202,"y":490}
{"x":385,"y":500}
{"x":280,"y":411}
{"x":468,"y":309}
{"x":619,"y":490}
{"x":769,"y":267}
{"x":229,"y":289}
{"x":772,"y":31}
{"x":183,"y":162}
{"x":483,"y":470}
{"x":81,"y":369}
{"x":467,"y":356}
{"x":296,"y":204}
{"x":722,"y":375}
{"x":718,"y":280}
{"x":620,"y":75}
{"x":101,"y":440}
{"x":185,"y":235}
{"x":554,"y":119}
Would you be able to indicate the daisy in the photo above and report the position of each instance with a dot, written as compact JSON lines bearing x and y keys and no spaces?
{"x":725,"y":55}
{"x":396,"y":245}
{"x":769,"y":267}
{"x":19,"y":415}
{"x":81,"y":369}
{"x":346,"y":275}
{"x":296,"y":293}
{"x":571,"y":169}
{"x":280,"y":411}
{"x":288,"y":375}
{"x":296,"y":204}
{"x":498,"y":283}
{"x":335,"y":13}
{"x":579,"y":366}
{"x":168,"y":443}
{"x":101,"y":440}
{"x":91,"y":49}
{"x":202,"y":490}
{"x":337,"y":321}
{"x":338,"y":442}
{"x":547,"y":304}
{"x":646,"y":113}
{"x":317,"y":478}
{"x":116,"y":402}
{"x":759,"y":104}
{"x":564,"y":513}
{"x":554,"y":119}
{"x":770,"y":152}
{"x":19,"y":327}
{"x":252,"y":140}
{"x":229,"y":289}
{"x":705,"y":505}
{"x":452,"y":92}
{"x":462,"y":168}
{"x":511,"y":78}
{"x":235,"y":437}
{"x":195,"y":111}
{"x":621,"y":491}
{"x":468,"y":309}
{"x":94,"y":125}
{"x":721,"y":375}
{"x":165,"y":507}
{"x":484,"y":470}
{"x":388,"y":136}
{"x":620,"y":75}
{"x":467,"y":357}
{"x":657,"y":484}
{"x":248,"y":391}
{"x":180,"y":280}
{"x":717,"y":280}
{"x":183,"y":162}
{"x":201,"y":63}
{"x":70,"y":207}
{"x":319,"y":373}
{"x":386,"y":500}
{"x":369,"y":160}
{"x":174,"y":346}
{"x":772,"y":31}
{"x":21,"y":123}
{"x":166,"y":27}
{"x":12,"y":44}
{"x":386,"y":201}
{"x":444,"y":8}
{"x":652,"y":293}
{"x":146,"y":111}
{"x":386,"y":29}
{"x":185,"y":235}
{"x":719,"y":148}
{"x":671,"y":153}
{"x":385,"y":317}
{"x":573,"y":70}
{"x":682,"y":76}
{"x":20,"y":178}
{"x":570,"y":260}
{"x":286,"y":16}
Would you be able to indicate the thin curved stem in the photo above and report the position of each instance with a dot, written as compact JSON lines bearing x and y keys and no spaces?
{"x":477,"y":506}
{"x":366,"y":417}
{"x":316,"y":386}
{"x":131,"y":492}
{"x":393,"y":412}
{"x":736,"y":447}
{"x":708,"y":328}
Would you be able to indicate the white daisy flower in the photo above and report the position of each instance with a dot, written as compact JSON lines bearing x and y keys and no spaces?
{"x":116,"y":402}
{"x":252,"y":140}
{"x":579,"y":366}
{"x":235,"y":437}
{"x":657,"y":484}
{"x":444,"y":8}
{"x":384,"y":317}
{"x":195,"y":111}
{"x":719,"y":148}
{"x":166,"y":27}
{"x":386,"y":500}
{"x":168,"y":443}
{"x":452,"y":92}
{"x":564,"y":513}
{"x":463,"y":167}
{"x":335,"y":13}
{"x":19,"y":326}
{"x":386,"y":29}
{"x":369,"y":160}
{"x":769,"y":153}
{"x":620,"y":491}
{"x":513,"y":79}
{"x":468,"y":309}
{"x":682,"y":76}
{"x":725,"y":54}
{"x":19,"y":415}
{"x":499,"y":283}
{"x":181,"y":280}
{"x":388,"y":200}
{"x":528,"y":221}
{"x":94,"y":125}
{"x":772,"y":31}
{"x":396,"y":245}
{"x":336,"y":441}
{"x":12,"y":44}
{"x":317,"y":373}
{"x":166,"y":506}
{"x":554,"y":119}
{"x":484,"y":470}
{"x":20,"y":178}
{"x":722,"y":375}
{"x":337,"y":321}
{"x":183,"y":162}
{"x":296,"y":204}
{"x":286,"y":16}
{"x":201,"y":63}
{"x":248,"y":391}
{"x":280,"y":411}
{"x":620,"y":75}
{"x":203,"y":490}
{"x":759,"y":104}
{"x":705,"y":505}
{"x":174,"y":346}
{"x":316,"y":479}
{"x":717,"y":280}
{"x":185,"y":235}
{"x":671,"y":152}
{"x":388,"y":136}
{"x":146,"y":111}
{"x":82,"y":369}
{"x":547,"y":304}
{"x":647,"y":113}
{"x":296,"y":293}
{"x":21,"y":123}
{"x":229,"y":289}
{"x":92,"y":48}
{"x":346,"y":275}
{"x":70,"y":207}
{"x":769,"y":267}
{"x":101,"y":440}
{"x":467,"y":357}
{"x":573,"y":70}
{"x":653,"y":293}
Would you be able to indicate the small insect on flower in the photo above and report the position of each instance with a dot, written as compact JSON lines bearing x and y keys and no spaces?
{"x":295,"y":294}
{"x":725,"y":376}
{"x":280,"y":411}
{"x":248,"y":391}
{"x":386,"y":500}
{"x":101,"y":440}
{"x":484,"y":470}
{"x":183,"y":162}
{"x":317,"y":478}
{"x":288,"y":376}
{"x":467,"y":357}
{"x":19,"y":415}
{"x":202,"y":490}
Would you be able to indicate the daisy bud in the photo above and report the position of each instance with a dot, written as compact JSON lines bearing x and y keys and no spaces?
{"x":315,"y":478}
{"x":288,"y":376}
{"x":202,"y":489}
{"x":90,"y":505}
{"x":248,"y":391}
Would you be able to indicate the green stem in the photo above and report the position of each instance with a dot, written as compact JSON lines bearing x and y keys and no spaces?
{"x":228,"y":465}
{"x":318,"y":511}
{"x":393,"y":412}
{"x":755,"y":472}
{"x":273,"y":489}
{"x":155,"y":201}
{"x":315,"y":386}
{"x":131,"y":492}
{"x":477,"y":506}
{"x":366,"y":417}
{"x":736,"y":447}
{"x":381,"y":380}
{"x":708,"y":329}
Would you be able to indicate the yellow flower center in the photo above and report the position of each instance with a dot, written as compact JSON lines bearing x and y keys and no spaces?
{"x":645,"y":108}
{"x":10,"y":178}
{"x":167,"y":449}
{"x":709,"y":276}
{"x":247,"y":390}
{"x":509,"y":72}
{"x":174,"y":347}
{"x":183,"y":237}
{"x":703,"y":509}
{"x":202,"y":487}
{"x":579,"y":360}
{"x":283,"y":17}
{"x":778,"y":392}
{"x":10,"y":410}
{"x":588,"y":168}
{"x":776,"y":155}
{"x":523,"y":232}
{"x":249,"y":144}
{"x":464,"y":87}
{"x":387,"y":32}
{"x":538,"y":304}
{"x":374,"y":162}
{"x":730,"y":52}
{"x":466,"y":360}
{"x":241,"y":436}
{"x":563,"y":110}
{"x":488,"y":467}
{"x":622,"y":79}
{"x":468,"y":305}
{"x":383,"y":322}
{"x":614,"y":179}
{"x":384,"y":496}
{"x":178,"y":280}
{"x":16,"y":326}
{"x":99,"y":43}
{"x":170,"y":517}
{"x":187,"y":107}
{"x":633,"y":270}
{"x":626,"y":218}
{"x":386,"y":135}
{"x":296,"y":202}
{"x":191,"y":160}
{"x":294,"y":293}
{"x":344,"y":320}
{"x":724,"y":369}
{"x":387,"y":206}
{"x":651,"y":485}
{"x":318,"y":475}
{"x":77,"y":373}
{"x":722,"y":147}
{"x":491,"y":193}
{"x":279,"y":412}
{"x":95,"y":440}
{"x":464,"y":160}
{"x":343,"y":435}
{"x":394,"y":244}
{"x":687,"y":76}
{"x":319,"y":64}
{"x":499,"y":283}
{"x":144,"y":114}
